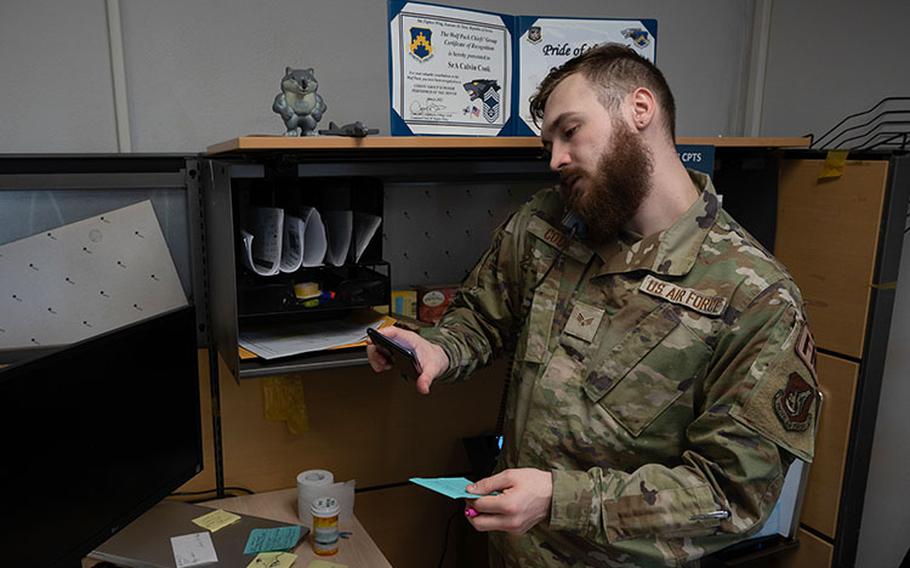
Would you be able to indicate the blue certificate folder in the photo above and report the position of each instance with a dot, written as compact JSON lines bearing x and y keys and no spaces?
{"x":459,"y":72}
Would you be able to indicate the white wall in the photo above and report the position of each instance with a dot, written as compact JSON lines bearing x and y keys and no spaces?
{"x":205,"y":71}
{"x":55,"y":77}
{"x":828,"y":59}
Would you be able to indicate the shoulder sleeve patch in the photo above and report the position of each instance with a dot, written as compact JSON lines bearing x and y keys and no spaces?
{"x":784,"y":403}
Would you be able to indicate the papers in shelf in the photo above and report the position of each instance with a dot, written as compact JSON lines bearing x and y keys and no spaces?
{"x":292,"y":243}
{"x":277,"y":241}
{"x":365,"y":226}
{"x":386,"y":321}
{"x":262,"y":245}
{"x":339,"y":227}
{"x":295,"y":338}
{"x":314,"y":240}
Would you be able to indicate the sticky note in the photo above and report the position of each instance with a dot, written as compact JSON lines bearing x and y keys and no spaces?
{"x":217,"y":519}
{"x":273,"y":560}
{"x":193,"y":550}
{"x":325,"y":564}
{"x":268,"y":540}
{"x":835,"y":162}
{"x":453,"y":487}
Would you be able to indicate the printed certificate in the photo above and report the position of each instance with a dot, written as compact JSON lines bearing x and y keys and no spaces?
{"x":451,"y":70}
{"x":546,"y":43}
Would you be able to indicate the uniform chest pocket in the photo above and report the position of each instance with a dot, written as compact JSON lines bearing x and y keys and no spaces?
{"x":647,"y":370}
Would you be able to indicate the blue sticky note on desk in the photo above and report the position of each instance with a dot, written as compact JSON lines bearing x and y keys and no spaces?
{"x":453,"y":487}
{"x":271,"y":540}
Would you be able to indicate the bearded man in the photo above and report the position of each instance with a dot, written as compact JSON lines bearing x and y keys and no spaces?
{"x":664,"y":375}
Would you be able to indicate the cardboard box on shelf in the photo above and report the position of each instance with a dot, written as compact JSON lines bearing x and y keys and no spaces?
{"x":432,"y":301}
{"x":404,"y":303}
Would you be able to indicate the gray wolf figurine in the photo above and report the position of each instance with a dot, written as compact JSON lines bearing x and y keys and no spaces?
{"x":299,"y":105}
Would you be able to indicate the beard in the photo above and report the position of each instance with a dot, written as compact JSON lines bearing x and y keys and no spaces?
{"x":617,"y":188}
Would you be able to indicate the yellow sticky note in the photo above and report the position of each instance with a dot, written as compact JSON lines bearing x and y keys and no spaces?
{"x":216,"y":520}
{"x":273,"y":560}
{"x":282,"y":397}
{"x":325,"y":564}
{"x":835,"y":162}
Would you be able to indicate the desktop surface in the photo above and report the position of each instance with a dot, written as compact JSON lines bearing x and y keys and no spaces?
{"x":146,"y":542}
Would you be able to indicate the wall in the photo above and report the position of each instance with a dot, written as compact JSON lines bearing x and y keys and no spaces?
{"x":56,"y":91}
{"x":201,"y":72}
{"x":827,"y":60}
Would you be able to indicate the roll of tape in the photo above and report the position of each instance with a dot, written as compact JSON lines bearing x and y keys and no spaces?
{"x":304,"y":290}
{"x":311,"y":484}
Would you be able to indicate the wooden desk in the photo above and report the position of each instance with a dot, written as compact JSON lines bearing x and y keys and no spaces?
{"x":356,"y":551}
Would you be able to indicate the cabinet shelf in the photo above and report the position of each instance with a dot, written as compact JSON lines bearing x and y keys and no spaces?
{"x":266,"y":171}
{"x":255,"y":368}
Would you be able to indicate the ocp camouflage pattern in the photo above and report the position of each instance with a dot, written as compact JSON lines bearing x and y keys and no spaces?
{"x":645,"y":377}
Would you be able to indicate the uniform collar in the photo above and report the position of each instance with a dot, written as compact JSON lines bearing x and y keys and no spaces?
{"x":671,"y":252}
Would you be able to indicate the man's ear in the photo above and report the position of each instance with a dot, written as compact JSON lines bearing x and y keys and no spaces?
{"x":644,"y":107}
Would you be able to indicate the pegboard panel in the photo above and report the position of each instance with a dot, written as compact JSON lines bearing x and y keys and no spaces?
{"x":32,"y":212}
{"x":434,"y":233}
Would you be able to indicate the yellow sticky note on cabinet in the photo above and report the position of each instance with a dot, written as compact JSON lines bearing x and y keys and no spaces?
{"x":283,"y":400}
{"x":273,"y":560}
{"x":216,"y":520}
{"x":835,"y":162}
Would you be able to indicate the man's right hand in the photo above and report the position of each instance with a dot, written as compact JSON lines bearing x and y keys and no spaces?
{"x":431,"y":357}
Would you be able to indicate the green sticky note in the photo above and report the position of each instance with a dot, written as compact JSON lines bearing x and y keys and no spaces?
{"x":453,"y":487}
{"x":270,"y":540}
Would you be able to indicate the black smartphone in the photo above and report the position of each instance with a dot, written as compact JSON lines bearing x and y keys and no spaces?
{"x":397,"y":352}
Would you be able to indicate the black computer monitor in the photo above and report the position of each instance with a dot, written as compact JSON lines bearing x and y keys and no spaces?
{"x":93,"y":435}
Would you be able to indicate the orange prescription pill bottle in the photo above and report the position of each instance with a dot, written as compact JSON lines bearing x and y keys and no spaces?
{"x":325,"y":525}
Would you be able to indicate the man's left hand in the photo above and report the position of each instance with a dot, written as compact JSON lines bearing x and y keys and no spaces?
{"x":523,"y":500}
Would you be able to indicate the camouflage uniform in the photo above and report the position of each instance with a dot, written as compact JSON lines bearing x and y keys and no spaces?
{"x":666,"y":383}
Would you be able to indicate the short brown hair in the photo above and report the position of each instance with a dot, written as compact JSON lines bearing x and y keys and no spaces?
{"x":617,"y":70}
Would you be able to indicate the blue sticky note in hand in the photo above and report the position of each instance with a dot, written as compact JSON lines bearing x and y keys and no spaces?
{"x":453,"y":487}
{"x":271,"y":540}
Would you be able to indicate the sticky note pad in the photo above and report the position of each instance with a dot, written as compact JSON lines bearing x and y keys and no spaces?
{"x":269,"y":540}
{"x":193,"y":550}
{"x":453,"y":487}
{"x":273,"y":560}
{"x":217,"y":519}
{"x":325,"y":564}
{"x":835,"y":162}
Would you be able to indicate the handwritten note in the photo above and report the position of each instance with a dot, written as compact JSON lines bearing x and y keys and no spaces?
{"x":193,"y":549}
{"x":453,"y":487}
{"x":268,"y":540}
{"x":273,"y":560}
{"x":217,"y":519}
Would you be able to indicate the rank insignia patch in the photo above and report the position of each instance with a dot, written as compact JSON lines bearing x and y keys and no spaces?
{"x":486,"y":90}
{"x":793,"y":404}
{"x":584,"y":321}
